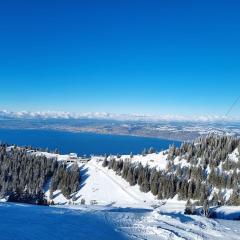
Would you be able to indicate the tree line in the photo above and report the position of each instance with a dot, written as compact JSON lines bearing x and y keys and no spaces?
{"x":23,"y":176}
{"x":203,"y":172}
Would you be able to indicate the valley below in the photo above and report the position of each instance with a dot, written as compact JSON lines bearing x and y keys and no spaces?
{"x":163,"y":129}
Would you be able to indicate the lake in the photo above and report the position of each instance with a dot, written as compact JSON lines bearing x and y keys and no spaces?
{"x":82,"y":143}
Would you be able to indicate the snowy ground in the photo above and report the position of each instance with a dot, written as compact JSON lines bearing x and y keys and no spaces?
{"x":26,"y":222}
{"x":119,"y":212}
{"x":137,"y":215}
{"x":104,"y":187}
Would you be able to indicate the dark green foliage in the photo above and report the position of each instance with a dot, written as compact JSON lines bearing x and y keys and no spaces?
{"x":25,"y":197}
{"x":67,"y":179}
{"x":154,"y":182}
{"x":105,"y":162}
{"x":206,"y":210}
{"x":235,"y":198}
{"x":151,"y":150}
{"x":208,"y":167}
{"x":130,"y":177}
{"x":145,"y":186}
{"x":23,"y":175}
{"x":144,"y":152}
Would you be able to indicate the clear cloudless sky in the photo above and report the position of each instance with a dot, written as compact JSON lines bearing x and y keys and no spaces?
{"x":134,"y":56}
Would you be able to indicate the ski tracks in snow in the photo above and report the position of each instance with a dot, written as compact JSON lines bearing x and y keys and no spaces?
{"x":147,"y":225}
{"x":157,"y":225}
{"x":118,"y":184}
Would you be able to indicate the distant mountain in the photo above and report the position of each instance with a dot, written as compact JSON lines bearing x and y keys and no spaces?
{"x":113,"y":116}
{"x":168,"y":127}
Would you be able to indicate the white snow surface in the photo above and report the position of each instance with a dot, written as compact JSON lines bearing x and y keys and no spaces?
{"x":234,"y":156}
{"x":105,"y":187}
{"x":114,"y":210}
{"x":137,"y":215}
{"x":154,"y":160}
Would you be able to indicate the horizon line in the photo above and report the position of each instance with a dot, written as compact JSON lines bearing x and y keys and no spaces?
{"x":115,"y":116}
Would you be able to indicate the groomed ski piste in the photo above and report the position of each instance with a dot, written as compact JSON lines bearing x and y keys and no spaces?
{"x":113,"y":209}
{"x":139,"y":215}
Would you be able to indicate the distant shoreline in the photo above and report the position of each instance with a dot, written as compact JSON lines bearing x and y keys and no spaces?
{"x":173,"y":131}
{"x":95,"y":132}
{"x":82,"y":143}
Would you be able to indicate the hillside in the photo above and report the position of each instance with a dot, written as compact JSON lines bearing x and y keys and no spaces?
{"x":139,"y":196}
{"x":206,"y":171}
{"x":24,"y":175}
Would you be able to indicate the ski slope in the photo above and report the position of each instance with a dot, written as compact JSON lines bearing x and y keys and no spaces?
{"x":113,"y":209}
{"x":137,"y":215}
{"x":22,"y":222}
{"x":28,"y":222}
{"x":105,"y":187}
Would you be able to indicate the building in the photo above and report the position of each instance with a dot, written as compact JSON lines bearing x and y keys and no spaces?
{"x":83,"y":160}
{"x":72,"y":157}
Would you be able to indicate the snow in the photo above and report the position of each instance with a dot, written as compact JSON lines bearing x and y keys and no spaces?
{"x":25,"y":222}
{"x":114,"y":210}
{"x":21,"y":222}
{"x":234,"y":156}
{"x":104,"y":187}
{"x":138,"y":215}
{"x":59,"y":157}
{"x":58,"y":197}
{"x":153,"y":160}
{"x":227,"y":193}
{"x":181,"y":162}
{"x":228,"y":212}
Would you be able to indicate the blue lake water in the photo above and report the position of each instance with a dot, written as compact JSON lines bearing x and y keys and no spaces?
{"x":82,"y":143}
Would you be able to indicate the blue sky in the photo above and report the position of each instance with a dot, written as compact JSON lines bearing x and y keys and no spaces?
{"x":152,"y":57}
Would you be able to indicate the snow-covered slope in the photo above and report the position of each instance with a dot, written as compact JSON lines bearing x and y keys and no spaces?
{"x":113,"y":209}
{"x":101,"y":186}
{"x":93,"y":223}
{"x":138,"y":215}
{"x":104,"y":186}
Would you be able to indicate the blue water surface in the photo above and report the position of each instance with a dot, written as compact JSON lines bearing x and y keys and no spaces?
{"x":82,"y":143}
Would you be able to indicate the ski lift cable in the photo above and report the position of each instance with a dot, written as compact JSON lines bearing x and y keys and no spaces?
{"x":232,"y":106}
